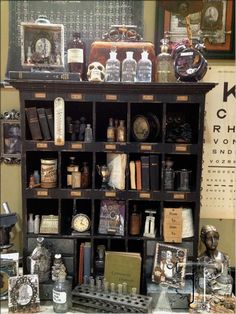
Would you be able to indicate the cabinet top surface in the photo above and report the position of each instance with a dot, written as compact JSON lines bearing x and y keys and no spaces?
{"x":103,"y":87}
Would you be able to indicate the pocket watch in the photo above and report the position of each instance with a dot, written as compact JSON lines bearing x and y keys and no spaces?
{"x":80,"y":223}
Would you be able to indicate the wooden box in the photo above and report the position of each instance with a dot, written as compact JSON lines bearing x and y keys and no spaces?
{"x":42,"y":45}
{"x":100,"y":51}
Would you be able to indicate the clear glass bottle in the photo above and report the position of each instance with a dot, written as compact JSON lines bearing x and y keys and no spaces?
{"x":169,"y":175}
{"x":30,"y":224}
{"x":129,"y":68}
{"x":36,"y":224}
{"x":112,"y":68}
{"x":144,"y":68}
{"x":111,"y":131}
{"x":88,"y":134}
{"x":76,"y":55}
{"x":72,"y":167}
{"x":121,"y":132}
{"x":61,"y":294}
{"x":163,"y":303}
{"x":165,"y":65}
{"x":36,"y":177}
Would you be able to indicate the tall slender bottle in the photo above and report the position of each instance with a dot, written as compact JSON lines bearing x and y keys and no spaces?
{"x":165,"y":65}
{"x":76,"y":55}
{"x":144,"y":68}
{"x":129,"y":68}
{"x":112,"y":68}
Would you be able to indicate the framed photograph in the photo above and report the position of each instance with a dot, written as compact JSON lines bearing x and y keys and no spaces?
{"x":10,"y":138}
{"x":215,"y":23}
{"x":23,"y":294}
{"x":169,"y":265}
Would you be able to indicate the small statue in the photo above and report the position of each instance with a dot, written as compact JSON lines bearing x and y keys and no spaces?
{"x":41,"y":261}
{"x":213,"y":277}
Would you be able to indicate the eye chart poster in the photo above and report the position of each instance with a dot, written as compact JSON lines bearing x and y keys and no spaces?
{"x":218,"y":195}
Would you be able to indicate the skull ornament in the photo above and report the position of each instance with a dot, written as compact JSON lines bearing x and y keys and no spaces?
{"x":96,"y":72}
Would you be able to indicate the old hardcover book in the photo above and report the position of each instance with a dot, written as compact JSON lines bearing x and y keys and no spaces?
{"x":145,"y":172}
{"x":50,"y":119}
{"x":123,"y":267}
{"x":138,"y":175}
{"x":132,"y":175}
{"x":33,"y":122}
{"x":154,"y":172}
{"x":44,"y":124}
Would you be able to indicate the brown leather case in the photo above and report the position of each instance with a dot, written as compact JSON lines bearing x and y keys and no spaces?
{"x":100,"y":51}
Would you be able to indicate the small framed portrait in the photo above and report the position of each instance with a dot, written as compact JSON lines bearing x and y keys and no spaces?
{"x":10,"y":140}
{"x":211,"y":17}
{"x":169,"y":265}
{"x":23,"y":294}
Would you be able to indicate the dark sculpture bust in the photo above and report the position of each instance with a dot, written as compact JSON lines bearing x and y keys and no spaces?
{"x":214,"y":263}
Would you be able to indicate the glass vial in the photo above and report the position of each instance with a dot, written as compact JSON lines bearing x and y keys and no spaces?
{"x":129,"y":68}
{"x":165,"y":65}
{"x":36,"y":224}
{"x":135,"y":222}
{"x":30,"y":223}
{"x":111,"y":131}
{"x":169,"y":175}
{"x":61,"y":294}
{"x":88,"y":134}
{"x":112,"y":68}
{"x":76,"y":55}
{"x":72,"y":167}
{"x":36,"y":177}
{"x":144,"y":68}
{"x":121,"y":132}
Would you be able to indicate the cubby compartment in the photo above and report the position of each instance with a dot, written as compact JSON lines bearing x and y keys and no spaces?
{"x":73,"y":212}
{"x":146,"y":122}
{"x":34,"y":160}
{"x":77,"y":116}
{"x":38,"y":110}
{"x":150,"y":215}
{"x":180,"y":172}
{"x":105,"y":111}
{"x":182,"y":123}
{"x":84,"y":161}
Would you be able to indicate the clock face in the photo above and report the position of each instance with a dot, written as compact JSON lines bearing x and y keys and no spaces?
{"x":44,"y":47}
{"x":141,"y":128}
{"x":80,"y":223}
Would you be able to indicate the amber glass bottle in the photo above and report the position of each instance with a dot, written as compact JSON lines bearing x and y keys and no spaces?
{"x":76,"y":55}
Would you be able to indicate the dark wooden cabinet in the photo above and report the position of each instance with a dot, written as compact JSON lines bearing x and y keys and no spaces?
{"x":97,"y":103}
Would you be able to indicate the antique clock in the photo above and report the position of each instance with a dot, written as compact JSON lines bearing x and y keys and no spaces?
{"x":80,"y":222}
{"x":145,"y":127}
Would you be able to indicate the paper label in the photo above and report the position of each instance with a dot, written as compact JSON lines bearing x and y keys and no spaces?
{"x":75,"y":55}
{"x":59,"y":297}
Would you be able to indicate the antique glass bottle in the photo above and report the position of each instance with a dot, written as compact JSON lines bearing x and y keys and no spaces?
{"x":135,"y":222}
{"x":30,"y":224}
{"x":76,"y":55}
{"x":129,"y":68}
{"x":163,"y":303}
{"x":88,"y":134}
{"x":165,"y":65}
{"x":112,"y":68}
{"x":111,"y":131}
{"x":61,"y":294}
{"x":36,"y":224}
{"x":144,"y":68}
{"x":72,"y":167}
{"x":169,"y":175}
{"x":85,"y":176}
{"x":121,"y":132}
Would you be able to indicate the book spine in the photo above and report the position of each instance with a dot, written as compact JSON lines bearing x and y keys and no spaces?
{"x":154,"y":172}
{"x":33,"y":122}
{"x":44,"y":123}
{"x":132,"y":175}
{"x":81,"y":263}
{"x":50,"y":120}
{"x":87,"y":258}
{"x":138,"y":175}
{"x":145,"y":172}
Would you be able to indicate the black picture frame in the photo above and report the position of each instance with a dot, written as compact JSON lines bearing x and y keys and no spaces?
{"x":213,"y":50}
{"x":10,"y":138}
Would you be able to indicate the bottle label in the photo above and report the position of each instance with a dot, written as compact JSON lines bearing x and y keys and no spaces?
{"x":75,"y":55}
{"x":59,"y":296}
